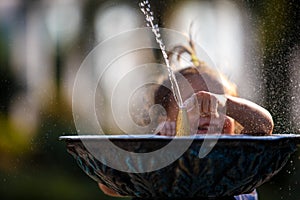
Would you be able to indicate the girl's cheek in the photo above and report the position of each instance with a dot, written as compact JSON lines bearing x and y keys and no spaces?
{"x":194,"y":120}
{"x":228,"y":127}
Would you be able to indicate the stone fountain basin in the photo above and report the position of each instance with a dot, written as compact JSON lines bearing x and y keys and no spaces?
{"x":236,"y":164}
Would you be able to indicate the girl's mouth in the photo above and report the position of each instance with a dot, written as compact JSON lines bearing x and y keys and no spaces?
{"x":202,"y":129}
{"x":208,"y":128}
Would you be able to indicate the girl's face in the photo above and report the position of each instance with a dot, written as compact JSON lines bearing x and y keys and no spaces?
{"x":201,"y":124}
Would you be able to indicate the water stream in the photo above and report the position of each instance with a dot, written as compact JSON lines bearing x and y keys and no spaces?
{"x":182,"y":122}
{"x":146,"y":9}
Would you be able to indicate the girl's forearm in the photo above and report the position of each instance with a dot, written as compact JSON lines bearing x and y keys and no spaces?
{"x":255,"y":119}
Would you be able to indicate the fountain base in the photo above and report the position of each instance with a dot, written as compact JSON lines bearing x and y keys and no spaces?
{"x":237,"y":164}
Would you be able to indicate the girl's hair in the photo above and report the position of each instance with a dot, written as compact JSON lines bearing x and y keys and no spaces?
{"x":220,"y":83}
{"x":215,"y":81}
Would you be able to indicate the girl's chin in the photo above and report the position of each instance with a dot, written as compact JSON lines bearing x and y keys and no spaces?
{"x":206,"y":131}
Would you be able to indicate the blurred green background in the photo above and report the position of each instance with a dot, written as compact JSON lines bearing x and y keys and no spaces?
{"x":43,"y":43}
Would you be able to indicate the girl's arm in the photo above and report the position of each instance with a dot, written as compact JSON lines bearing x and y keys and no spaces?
{"x":254,"y":119}
{"x":108,"y":191}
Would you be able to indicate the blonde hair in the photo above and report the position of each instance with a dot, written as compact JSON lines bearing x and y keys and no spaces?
{"x":163,"y":95}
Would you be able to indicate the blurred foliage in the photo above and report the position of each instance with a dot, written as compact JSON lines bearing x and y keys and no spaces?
{"x":35,"y":165}
{"x":12,"y":139}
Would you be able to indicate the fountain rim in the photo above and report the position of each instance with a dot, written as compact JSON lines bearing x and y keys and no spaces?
{"x":193,"y":137}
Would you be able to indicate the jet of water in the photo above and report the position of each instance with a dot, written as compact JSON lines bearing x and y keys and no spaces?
{"x":146,"y":9}
{"x":182,"y":122}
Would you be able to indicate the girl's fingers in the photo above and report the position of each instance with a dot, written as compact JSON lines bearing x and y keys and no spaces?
{"x":173,"y":128}
{"x":214,"y":106}
{"x":208,"y":104}
{"x":160,"y":128}
{"x":205,"y":105}
{"x":169,"y":129}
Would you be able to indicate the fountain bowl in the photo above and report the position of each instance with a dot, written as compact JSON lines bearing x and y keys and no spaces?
{"x":236,"y":164}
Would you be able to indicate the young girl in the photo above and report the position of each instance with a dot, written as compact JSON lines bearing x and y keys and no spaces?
{"x":218,"y":110}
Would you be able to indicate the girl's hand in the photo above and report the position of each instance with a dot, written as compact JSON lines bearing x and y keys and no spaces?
{"x":206,"y":112}
{"x":168,"y":128}
{"x":209,"y":103}
{"x":108,"y":191}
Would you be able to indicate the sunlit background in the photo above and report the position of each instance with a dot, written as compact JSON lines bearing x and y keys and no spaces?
{"x":43,"y":43}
